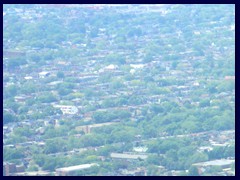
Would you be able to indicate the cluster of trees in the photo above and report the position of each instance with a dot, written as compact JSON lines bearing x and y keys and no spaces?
{"x":222,"y":152}
{"x":11,"y":154}
{"x":106,"y":116}
{"x":179,"y":154}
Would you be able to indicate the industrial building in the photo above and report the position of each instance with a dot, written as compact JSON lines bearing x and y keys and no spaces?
{"x":68,"y":171}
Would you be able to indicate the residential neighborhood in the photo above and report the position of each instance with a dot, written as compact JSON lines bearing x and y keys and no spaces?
{"x":118,"y":90}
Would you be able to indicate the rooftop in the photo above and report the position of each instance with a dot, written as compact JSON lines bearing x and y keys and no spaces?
{"x":78,"y":167}
{"x":33,"y":173}
{"x":128,"y":156}
{"x":219,"y":162}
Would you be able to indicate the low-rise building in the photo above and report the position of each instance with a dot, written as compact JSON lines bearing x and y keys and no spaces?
{"x":67,"y":109}
{"x":33,"y":173}
{"x":128,"y":156}
{"x":67,"y":171}
{"x":222,"y":163}
{"x":87,"y":129}
{"x":43,"y":74}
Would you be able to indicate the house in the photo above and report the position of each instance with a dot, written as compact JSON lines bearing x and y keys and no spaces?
{"x":205,"y":148}
{"x":28,"y":77}
{"x":67,"y":109}
{"x":137,"y":66}
{"x":229,"y":77}
{"x":87,"y":129}
{"x":43,"y":74}
{"x":108,"y":68}
{"x":21,"y":98}
{"x":140,"y":171}
{"x":140,"y":149}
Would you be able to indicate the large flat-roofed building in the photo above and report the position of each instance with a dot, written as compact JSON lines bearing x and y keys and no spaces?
{"x":33,"y":173}
{"x":67,"y":171}
{"x":219,"y":162}
{"x":222,"y":163}
{"x":128,"y":156}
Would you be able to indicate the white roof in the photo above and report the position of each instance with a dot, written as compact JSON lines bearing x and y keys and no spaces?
{"x":43,"y":73}
{"x":132,"y":71}
{"x":78,"y":167}
{"x":111,"y":66}
{"x":28,"y":77}
{"x":219,"y":162}
{"x":140,"y":149}
{"x":137,"y":65}
{"x":128,"y":156}
{"x":33,"y":173}
{"x":64,"y":106}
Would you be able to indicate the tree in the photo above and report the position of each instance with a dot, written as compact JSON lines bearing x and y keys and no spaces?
{"x":156,"y":108}
{"x":106,"y":150}
{"x":28,"y":88}
{"x":212,"y":88}
{"x":204,"y":103}
{"x":174,"y":64}
{"x":197,"y":157}
{"x":50,"y":45}
{"x":100,"y":117}
{"x":64,"y":91}
{"x":116,"y":58}
{"x":34,"y":57}
{"x":123,"y":136}
{"x":229,"y":151}
{"x":193,"y":171}
{"x":53,"y":146}
{"x":216,"y":153}
{"x":148,"y":57}
{"x":8,"y":117}
{"x":155,"y":147}
{"x":135,"y":100}
{"x":9,"y":153}
{"x":14,"y":139}
{"x":10,"y":91}
{"x":60,"y":74}
{"x":23,"y":131}
{"x":11,"y":104}
{"x":32,"y":167}
{"x":153,"y":170}
{"x":135,"y":32}
{"x":47,"y":98}
{"x":226,"y":86}
{"x":39,"y":159}
{"x":92,"y":140}
{"x":16,"y":62}
{"x":154,"y":159}
{"x":191,"y":126}
{"x":120,"y":165}
{"x":52,"y":132}
{"x":116,"y":84}
{"x":150,"y":131}
{"x":50,"y":164}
